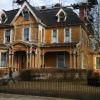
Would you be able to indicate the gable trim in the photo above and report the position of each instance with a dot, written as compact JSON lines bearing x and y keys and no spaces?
{"x":25,"y":4}
{"x":58,"y":15}
{"x":60,"y":10}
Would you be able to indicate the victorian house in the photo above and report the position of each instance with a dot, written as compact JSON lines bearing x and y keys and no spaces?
{"x":53,"y":37}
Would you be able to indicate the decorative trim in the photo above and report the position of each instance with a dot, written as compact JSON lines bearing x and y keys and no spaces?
{"x":58,"y":15}
{"x":25,"y":4}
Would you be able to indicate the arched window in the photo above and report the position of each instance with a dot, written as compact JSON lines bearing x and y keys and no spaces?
{"x":25,"y":13}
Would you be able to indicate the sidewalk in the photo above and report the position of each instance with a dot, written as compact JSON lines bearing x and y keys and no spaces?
{"x":26,"y":97}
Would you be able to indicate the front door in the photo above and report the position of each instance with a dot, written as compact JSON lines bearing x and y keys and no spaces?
{"x":61,"y":60}
{"x":20,"y":59}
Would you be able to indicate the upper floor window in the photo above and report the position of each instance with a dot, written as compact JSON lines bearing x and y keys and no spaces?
{"x":61,"y":17}
{"x":97,"y":62}
{"x":26,"y":34}
{"x":67,"y":35}
{"x":54,"y":36}
{"x":3,"y":59}
{"x":7,"y":36}
{"x":26,"y":13}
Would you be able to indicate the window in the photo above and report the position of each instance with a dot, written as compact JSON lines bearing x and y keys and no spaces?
{"x":25,"y":13}
{"x":61,"y":17}
{"x":54,"y":36}
{"x":26,"y":34}
{"x":67,"y":34}
{"x":7,"y":36}
{"x":97,"y":62}
{"x":3,"y":59}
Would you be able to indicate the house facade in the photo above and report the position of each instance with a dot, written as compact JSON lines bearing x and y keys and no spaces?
{"x":43,"y":37}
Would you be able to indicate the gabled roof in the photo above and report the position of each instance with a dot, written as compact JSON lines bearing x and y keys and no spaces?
{"x":26,"y":4}
{"x":45,"y":16}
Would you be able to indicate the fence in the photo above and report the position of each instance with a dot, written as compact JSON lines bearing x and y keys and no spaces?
{"x":56,"y":83}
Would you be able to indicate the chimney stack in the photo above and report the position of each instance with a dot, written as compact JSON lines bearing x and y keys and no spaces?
{"x":82,"y":11}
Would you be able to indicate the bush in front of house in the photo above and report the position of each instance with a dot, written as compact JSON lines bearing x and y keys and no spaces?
{"x":93,"y":78}
{"x":26,"y":75}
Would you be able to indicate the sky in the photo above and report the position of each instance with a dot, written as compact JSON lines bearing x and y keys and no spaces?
{"x":7,"y":4}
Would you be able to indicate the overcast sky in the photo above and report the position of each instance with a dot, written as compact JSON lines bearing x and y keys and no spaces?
{"x":7,"y":4}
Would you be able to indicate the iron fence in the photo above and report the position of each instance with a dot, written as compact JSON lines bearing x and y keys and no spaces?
{"x":55,"y":83}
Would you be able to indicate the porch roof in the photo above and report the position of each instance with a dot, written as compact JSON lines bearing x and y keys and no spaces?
{"x":69,"y":44}
{"x":3,"y":46}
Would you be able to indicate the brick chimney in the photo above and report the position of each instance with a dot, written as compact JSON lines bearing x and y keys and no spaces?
{"x":82,"y":11}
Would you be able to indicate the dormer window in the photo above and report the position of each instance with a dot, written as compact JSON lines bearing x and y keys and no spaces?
{"x":25,"y":13}
{"x":61,"y":16}
{"x":3,"y":17}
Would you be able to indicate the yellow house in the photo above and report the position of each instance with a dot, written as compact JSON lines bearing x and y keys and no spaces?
{"x":43,"y":37}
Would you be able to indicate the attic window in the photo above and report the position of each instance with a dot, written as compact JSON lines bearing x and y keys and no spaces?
{"x":61,"y":16}
{"x":3,"y":17}
{"x":25,"y":13}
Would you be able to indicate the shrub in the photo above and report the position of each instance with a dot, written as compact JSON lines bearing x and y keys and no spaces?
{"x":93,"y":78}
{"x":26,"y":75}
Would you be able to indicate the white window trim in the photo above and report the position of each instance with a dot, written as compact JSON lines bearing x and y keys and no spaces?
{"x":95,"y":63}
{"x":10,"y":35}
{"x":29,"y":34}
{"x":64,"y":60}
{"x":70,"y":35}
{"x":58,"y":15}
{"x":0,"y":58}
{"x":52,"y":36}
{"x":44,"y":36}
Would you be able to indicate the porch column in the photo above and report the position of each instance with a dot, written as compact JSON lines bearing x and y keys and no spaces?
{"x":10,"y":59}
{"x":27,"y":60}
{"x":30,"y":56}
{"x":43,"y":64}
{"x":71,"y":59}
{"x":74,"y":59}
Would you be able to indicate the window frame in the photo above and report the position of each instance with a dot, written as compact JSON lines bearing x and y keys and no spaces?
{"x":26,"y":11}
{"x":5,"y":63}
{"x":23,"y":35}
{"x":5,"y":35}
{"x":96,"y":63}
{"x":52,"y":37}
{"x":69,"y":37}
